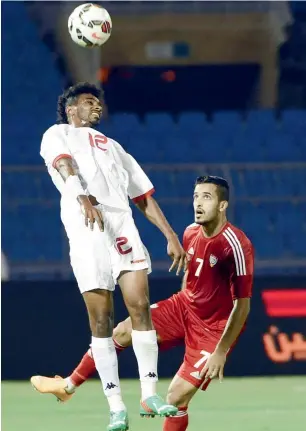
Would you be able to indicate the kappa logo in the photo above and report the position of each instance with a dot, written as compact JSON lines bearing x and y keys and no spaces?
{"x":151,"y":374}
{"x":110,"y":386}
{"x":212,"y":260}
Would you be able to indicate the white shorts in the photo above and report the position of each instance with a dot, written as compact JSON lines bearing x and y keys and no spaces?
{"x":97,"y":258}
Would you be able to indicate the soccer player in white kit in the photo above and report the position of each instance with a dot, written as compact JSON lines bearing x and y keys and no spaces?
{"x":95,"y":177}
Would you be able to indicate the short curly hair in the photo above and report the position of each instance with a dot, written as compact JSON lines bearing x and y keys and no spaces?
{"x":70,"y":96}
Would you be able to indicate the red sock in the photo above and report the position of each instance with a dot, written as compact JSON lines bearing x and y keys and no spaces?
{"x":177,"y":423}
{"x":84,"y":370}
{"x":118,"y":347}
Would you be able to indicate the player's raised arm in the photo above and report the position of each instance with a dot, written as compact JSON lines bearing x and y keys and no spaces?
{"x":241,"y":261}
{"x":150,"y":208}
{"x":57,"y":156}
{"x":74,"y":188}
{"x":140,"y":190}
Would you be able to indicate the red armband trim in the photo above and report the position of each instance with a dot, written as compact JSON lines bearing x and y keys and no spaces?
{"x":142,"y":197}
{"x":61,"y":156}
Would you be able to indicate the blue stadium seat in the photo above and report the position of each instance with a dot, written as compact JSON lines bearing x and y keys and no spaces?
{"x":184,"y":182}
{"x":219,"y":145}
{"x":151,"y":237}
{"x":25,"y":85}
{"x":106,"y":127}
{"x":164,"y":183}
{"x":27,"y":237}
{"x":281,"y":147}
{"x":258,"y":183}
{"x":159,"y":123}
{"x":261,"y":121}
{"x":259,"y":223}
{"x":193,"y":122}
{"x":228,"y":121}
{"x":127,"y":123}
{"x":182,"y":148}
{"x":145,"y":147}
{"x":247,"y":147}
{"x":294,"y":121}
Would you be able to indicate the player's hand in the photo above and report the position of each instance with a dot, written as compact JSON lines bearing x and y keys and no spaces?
{"x":214,"y":366}
{"x":177,"y":254}
{"x":92,"y":215}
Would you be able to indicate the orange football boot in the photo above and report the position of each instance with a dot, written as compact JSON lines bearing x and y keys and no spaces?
{"x":51,"y":385}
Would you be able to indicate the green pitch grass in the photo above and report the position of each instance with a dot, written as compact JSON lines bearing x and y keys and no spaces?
{"x":242,"y":404}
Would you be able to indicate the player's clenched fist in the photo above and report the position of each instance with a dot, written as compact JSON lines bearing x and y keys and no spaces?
{"x":177,"y":254}
{"x":91,"y":213}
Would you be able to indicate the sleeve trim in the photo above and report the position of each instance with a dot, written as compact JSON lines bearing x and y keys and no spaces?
{"x":238,"y":251}
{"x":142,"y":197}
{"x":61,"y":156}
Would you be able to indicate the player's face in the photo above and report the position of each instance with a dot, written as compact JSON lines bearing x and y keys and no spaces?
{"x":206,"y":204}
{"x":88,"y":109}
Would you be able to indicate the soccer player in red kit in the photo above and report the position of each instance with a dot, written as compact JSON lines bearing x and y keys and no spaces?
{"x":209,"y":312}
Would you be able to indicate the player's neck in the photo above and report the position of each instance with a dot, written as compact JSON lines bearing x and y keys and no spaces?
{"x":214,"y":227}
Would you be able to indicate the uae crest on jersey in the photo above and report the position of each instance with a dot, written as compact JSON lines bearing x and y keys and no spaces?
{"x":212,"y":260}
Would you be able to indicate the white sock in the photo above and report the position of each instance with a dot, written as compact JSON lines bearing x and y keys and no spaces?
{"x":105,"y":357}
{"x":70,"y":386}
{"x":146,"y":352}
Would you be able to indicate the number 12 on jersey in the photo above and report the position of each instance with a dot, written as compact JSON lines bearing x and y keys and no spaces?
{"x":200,"y":262}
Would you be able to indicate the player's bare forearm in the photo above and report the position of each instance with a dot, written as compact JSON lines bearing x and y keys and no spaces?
{"x":65,"y":167}
{"x":234,"y":324}
{"x":92,"y":215}
{"x":150,"y":208}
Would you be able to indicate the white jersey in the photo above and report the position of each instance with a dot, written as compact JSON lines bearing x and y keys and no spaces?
{"x":105,"y":169}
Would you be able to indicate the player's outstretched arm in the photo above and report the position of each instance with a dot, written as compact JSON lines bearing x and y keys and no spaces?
{"x":150,"y":208}
{"x":242,"y":271}
{"x":74,"y":187}
{"x":215,"y":364}
{"x":234,"y":324}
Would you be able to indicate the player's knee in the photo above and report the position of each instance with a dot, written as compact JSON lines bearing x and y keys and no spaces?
{"x":141,"y":315}
{"x":122,"y":333}
{"x":141,"y":306}
{"x":102,"y":324}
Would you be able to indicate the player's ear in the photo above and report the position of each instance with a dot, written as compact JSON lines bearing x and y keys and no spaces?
{"x":69,"y":110}
{"x":223,"y":205}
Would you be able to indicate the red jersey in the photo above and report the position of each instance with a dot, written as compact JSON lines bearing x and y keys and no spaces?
{"x":220,"y":270}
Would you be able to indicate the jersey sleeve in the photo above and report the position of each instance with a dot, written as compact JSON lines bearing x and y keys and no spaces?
{"x":139,"y":186}
{"x":242,"y":269}
{"x":53,"y":146}
{"x":185,"y":240}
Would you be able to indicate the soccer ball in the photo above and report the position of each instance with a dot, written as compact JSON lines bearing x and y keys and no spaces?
{"x":90,"y":25}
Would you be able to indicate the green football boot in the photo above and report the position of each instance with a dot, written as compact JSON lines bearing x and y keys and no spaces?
{"x":156,"y":406}
{"x":119,"y":421}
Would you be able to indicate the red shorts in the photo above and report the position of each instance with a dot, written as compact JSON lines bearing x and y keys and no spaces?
{"x":176,"y":325}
